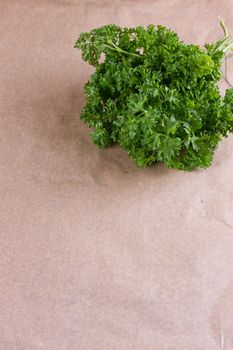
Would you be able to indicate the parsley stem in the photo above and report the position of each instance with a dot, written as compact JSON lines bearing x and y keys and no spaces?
{"x":225,"y":30}
{"x":225,"y":44}
{"x":118,"y":49}
{"x":228,"y":48}
{"x":221,"y":43}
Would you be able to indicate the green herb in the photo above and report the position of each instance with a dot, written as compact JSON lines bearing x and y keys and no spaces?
{"x":155,"y":95}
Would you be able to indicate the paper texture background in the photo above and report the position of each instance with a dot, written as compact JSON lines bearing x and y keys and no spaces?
{"x":96,"y":254}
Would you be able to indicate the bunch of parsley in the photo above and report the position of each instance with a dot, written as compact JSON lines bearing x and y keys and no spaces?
{"x":155,"y":95}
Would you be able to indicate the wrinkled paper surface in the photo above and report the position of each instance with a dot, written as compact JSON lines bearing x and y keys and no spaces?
{"x":95,"y":253}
